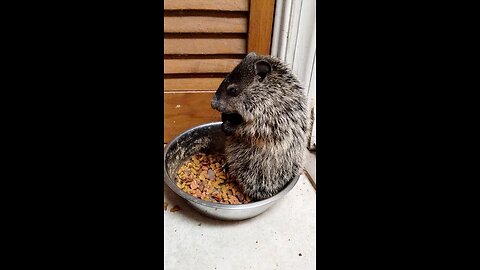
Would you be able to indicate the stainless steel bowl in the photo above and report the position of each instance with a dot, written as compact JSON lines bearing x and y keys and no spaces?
{"x":209,"y":138}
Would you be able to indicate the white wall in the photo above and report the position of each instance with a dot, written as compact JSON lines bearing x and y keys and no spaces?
{"x":294,"y":41}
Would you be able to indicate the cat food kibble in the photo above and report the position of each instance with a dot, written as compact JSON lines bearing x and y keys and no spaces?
{"x":203,"y":176}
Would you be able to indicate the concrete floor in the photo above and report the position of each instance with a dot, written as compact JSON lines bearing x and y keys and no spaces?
{"x":283,"y":237}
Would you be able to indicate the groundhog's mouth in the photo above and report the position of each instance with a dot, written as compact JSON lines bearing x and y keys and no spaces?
{"x":230,"y":122}
{"x":232,"y":118}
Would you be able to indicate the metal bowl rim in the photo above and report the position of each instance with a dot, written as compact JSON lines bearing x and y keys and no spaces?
{"x":196,"y":200}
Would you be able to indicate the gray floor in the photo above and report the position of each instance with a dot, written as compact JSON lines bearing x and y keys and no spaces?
{"x":281,"y":238}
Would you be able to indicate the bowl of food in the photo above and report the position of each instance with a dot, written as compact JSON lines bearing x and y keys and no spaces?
{"x":194,"y":168}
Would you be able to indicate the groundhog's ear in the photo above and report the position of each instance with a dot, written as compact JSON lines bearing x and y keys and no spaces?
{"x":262,"y":69}
{"x":251,"y":54}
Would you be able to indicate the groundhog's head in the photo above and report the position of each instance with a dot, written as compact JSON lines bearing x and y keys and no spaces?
{"x":236,"y":96}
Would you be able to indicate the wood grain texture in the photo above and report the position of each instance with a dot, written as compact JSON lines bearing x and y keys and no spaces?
{"x":227,"y":5}
{"x":177,"y":66}
{"x":205,"y":24}
{"x":177,"y":84}
{"x":186,"y":110}
{"x":260,"y":26}
{"x":205,"y":45}
{"x":203,"y":41}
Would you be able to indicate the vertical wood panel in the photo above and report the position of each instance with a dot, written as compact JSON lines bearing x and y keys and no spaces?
{"x":260,"y":26}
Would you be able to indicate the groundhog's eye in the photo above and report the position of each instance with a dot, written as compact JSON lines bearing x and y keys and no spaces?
{"x":232,"y":91}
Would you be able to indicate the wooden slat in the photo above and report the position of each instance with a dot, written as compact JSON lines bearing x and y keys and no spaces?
{"x":228,"y":5}
{"x":204,"y":24}
{"x":175,"y":84}
{"x":260,"y":26}
{"x":205,"y":45}
{"x":177,"y":66}
{"x":185,"y":110}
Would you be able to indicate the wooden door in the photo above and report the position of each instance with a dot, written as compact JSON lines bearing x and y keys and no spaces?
{"x":203,"y":41}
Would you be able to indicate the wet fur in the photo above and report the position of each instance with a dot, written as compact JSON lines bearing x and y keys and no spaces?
{"x":267,"y":149}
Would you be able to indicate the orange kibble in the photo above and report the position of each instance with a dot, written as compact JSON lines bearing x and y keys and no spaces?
{"x":202,"y":176}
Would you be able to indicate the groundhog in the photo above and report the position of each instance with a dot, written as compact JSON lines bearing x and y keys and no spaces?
{"x":264,"y":115}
